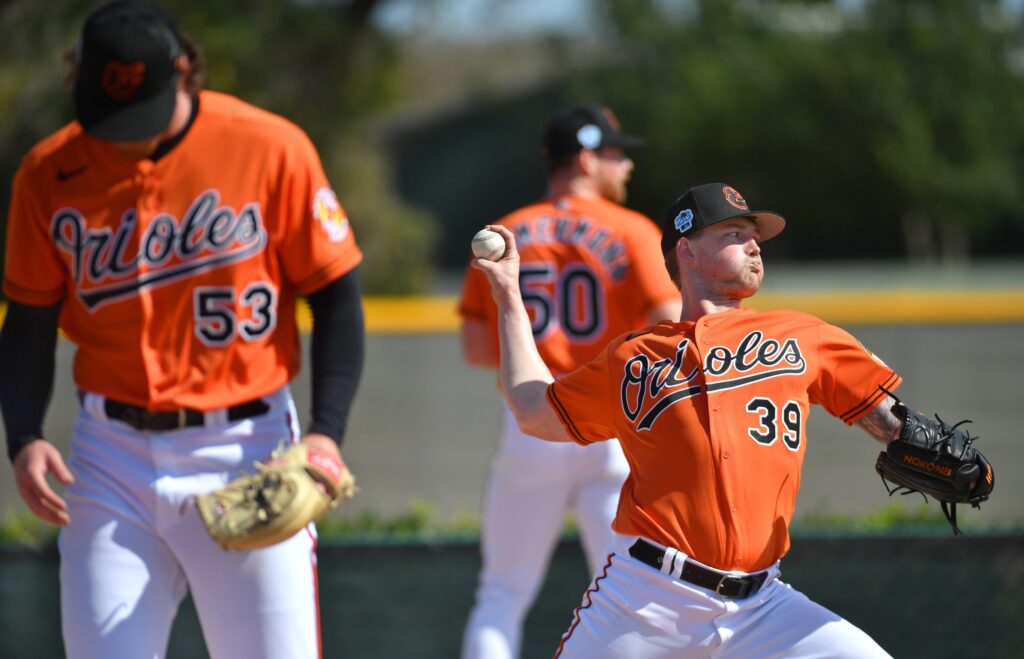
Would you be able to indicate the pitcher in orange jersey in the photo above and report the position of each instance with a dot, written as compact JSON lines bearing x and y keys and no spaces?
{"x":711,"y":414}
{"x":169,"y":232}
{"x":590,"y":271}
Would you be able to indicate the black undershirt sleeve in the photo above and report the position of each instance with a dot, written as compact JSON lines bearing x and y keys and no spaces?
{"x":28,"y":342}
{"x":29,"y":338}
{"x":336,"y":354}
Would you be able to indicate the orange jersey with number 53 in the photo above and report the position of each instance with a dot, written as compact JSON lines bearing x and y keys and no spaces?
{"x":712,"y":418}
{"x":179,"y":276}
{"x":590,"y":270}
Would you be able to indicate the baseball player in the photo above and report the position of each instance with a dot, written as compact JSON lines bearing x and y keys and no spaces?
{"x":590,"y":271}
{"x":711,"y":413}
{"x":168,"y":232}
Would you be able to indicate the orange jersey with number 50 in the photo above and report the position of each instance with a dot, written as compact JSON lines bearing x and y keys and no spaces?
{"x":178,"y":276}
{"x":712,"y":418}
{"x":589,"y":271}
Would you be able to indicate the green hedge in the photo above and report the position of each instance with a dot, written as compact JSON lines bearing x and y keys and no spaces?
{"x":917,"y":596}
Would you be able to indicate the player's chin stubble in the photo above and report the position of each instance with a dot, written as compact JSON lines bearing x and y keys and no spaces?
{"x":746,"y":283}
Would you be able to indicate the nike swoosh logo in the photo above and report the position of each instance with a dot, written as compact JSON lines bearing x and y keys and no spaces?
{"x":63,"y":175}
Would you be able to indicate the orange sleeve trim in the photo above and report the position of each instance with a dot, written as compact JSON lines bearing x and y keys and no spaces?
{"x":31,"y":296}
{"x":563,"y":416}
{"x":326,"y":275}
{"x":868,"y":404}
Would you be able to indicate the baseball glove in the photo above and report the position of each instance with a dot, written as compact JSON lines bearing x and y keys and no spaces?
{"x":282,"y":497}
{"x":936,"y":460}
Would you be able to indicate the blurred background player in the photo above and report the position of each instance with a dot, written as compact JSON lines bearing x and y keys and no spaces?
{"x":591,"y":270}
{"x":168,"y":232}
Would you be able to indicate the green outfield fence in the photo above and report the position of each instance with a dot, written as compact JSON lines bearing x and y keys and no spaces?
{"x":918,"y":596}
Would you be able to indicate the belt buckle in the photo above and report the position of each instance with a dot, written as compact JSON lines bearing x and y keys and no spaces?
{"x":748,"y":585}
{"x":721,"y":582}
{"x":182,"y":418}
{"x":745,"y":586}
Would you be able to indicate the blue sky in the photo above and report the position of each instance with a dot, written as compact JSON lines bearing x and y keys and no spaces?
{"x":486,"y":18}
{"x":483,"y":19}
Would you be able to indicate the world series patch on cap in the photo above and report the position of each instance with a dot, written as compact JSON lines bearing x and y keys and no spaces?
{"x":585,"y":127}
{"x":711,"y":203}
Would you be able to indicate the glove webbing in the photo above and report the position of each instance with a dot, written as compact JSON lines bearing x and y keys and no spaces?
{"x":948,"y":508}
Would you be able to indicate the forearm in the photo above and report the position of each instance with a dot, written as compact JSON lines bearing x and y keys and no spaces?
{"x":27,"y":365}
{"x":337,"y":354}
{"x":523,"y":374}
{"x":881,"y":423}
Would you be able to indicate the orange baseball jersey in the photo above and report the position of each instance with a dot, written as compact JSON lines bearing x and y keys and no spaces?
{"x":712,"y":418}
{"x":590,"y":270}
{"x":178,"y":276}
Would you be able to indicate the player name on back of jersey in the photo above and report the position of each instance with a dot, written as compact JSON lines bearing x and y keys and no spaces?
{"x":106,"y":268}
{"x":578,"y":231}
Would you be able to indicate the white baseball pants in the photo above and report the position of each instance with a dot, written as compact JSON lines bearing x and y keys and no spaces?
{"x":136,"y":545}
{"x":633,"y":611}
{"x":532,"y":485}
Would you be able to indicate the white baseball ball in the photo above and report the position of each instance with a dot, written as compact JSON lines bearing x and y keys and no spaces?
{"x":488,"y":245}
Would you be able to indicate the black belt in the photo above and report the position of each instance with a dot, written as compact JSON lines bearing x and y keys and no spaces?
{"x":719,"y":582}
{"x":142,"y":419}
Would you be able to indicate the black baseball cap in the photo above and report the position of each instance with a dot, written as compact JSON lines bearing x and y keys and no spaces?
{"x":584,"y":127}
{"x":126,"y":82}
{"x":709,"y":204}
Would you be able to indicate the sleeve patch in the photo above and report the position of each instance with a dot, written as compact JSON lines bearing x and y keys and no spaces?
{"x":328,"y":213}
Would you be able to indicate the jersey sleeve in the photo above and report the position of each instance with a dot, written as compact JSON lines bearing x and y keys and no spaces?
{"x":580,"y":400}
{"x":652,"y":279}
{"x":476,"y":308}
{"x":475,"y":301}
{"x":34,"y":274}
{"x":849,"y":377}
{"x":317,"y":244}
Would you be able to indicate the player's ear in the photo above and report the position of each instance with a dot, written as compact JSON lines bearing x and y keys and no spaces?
{"x":586,"y":161}
{"x":685,"y":251}
{"x":183,"y":65}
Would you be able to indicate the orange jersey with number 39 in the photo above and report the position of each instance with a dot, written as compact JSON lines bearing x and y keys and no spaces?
{"x":712,"y":418}
{"x":590,"y":270}
{"x":179,"y":276}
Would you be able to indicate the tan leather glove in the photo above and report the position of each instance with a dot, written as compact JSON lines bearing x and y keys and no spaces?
{"x":281,"y":498}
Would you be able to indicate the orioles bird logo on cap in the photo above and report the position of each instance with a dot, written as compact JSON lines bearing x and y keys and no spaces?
{"x":733,"y":196}
{"x":613,"y":121}
{"x":120,"y":80}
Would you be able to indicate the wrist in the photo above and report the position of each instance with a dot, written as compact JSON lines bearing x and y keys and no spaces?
{"x":323,"y":443}
{"x":508,"y":300}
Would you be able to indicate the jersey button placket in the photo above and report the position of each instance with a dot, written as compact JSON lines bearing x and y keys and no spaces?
{"x":146,"y":197}
{"x":151,"y":193}
{"x":145,"y":209}
{"x":719,"y":441}
{"x":700,"y":333}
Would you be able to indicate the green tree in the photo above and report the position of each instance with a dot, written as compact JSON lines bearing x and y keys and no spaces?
{"x":947,"y":106}
{"x":897,"y":120}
